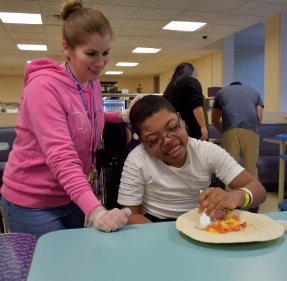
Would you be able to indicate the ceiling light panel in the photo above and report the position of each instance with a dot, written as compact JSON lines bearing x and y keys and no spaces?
{"x":184,"y":25}
{"x":128,"y":64}
{"x":21,"y":18}
{"x":146,"y":50}
{"x":114,"y":72}
{"x":30,"y":47}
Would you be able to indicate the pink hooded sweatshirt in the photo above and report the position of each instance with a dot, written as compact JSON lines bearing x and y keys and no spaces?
{"x":52,"y":153}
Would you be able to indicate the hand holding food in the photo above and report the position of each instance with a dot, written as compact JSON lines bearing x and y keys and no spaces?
{"x":213,"y":199}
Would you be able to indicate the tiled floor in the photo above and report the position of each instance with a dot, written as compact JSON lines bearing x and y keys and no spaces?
{"x":271,"y":203}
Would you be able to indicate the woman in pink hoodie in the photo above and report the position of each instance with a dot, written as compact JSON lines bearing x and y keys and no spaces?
{"x":45,"y":183}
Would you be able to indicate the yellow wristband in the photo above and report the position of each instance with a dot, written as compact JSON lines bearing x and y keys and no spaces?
{"x":247,"y":200}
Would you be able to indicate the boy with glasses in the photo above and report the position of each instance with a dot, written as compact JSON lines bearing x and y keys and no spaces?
{"x":163,"y":177}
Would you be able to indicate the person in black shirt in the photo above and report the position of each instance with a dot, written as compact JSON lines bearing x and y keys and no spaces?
{"x":184,"y":92}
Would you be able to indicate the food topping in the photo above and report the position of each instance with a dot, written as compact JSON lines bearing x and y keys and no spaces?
{"x":228,"y":222}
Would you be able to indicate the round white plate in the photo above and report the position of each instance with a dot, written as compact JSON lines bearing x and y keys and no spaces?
{"x":283,"y":223}
{"x":259,"y":228}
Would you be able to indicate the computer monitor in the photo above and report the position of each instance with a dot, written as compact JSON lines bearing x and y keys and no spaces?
{"x":114,"y":105}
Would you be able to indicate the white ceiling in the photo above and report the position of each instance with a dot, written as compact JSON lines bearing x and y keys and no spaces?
{"x":136,"y":23}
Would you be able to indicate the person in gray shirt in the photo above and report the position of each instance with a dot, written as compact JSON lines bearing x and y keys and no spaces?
{"x":237,"y":115}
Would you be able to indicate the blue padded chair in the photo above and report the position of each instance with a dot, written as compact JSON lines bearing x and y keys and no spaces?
{"x":283,"y":205}
{"x":7,"y":137}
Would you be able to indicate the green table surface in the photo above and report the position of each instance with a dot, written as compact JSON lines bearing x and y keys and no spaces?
{"x":154,"y":252}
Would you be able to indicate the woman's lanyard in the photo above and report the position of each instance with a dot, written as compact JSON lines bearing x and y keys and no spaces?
{"x":84,"y":101}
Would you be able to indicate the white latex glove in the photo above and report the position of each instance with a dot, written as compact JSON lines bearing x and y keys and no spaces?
{"x":126,"y":113}
{"x":108,"y":221}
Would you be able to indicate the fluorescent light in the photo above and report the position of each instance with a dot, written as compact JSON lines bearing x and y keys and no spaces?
{"x":21,"y":18}
{"x":184,"y":25}
{"x":30,"y":47}
{"x":127,"y":64}
{"x":146,"y":50}
{"x":114,"y":72}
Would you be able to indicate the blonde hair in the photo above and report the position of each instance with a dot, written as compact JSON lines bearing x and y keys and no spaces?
{"x":80,"y":22}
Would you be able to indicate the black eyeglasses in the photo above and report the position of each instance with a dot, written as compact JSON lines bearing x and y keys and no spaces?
{"x":160,"y":140}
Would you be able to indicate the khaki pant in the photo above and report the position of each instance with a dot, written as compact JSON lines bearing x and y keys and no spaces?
{"x":242,"y":142}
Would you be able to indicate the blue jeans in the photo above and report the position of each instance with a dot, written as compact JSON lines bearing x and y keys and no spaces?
{"x":41,"y":221}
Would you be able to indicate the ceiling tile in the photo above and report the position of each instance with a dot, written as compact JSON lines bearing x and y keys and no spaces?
{"x":138,"y":23}
{"x":260,"y":9}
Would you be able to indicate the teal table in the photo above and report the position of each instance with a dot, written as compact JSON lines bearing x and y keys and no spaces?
{"x":154,"y":252}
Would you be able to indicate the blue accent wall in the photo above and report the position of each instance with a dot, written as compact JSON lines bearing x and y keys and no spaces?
{"x":249,"y":68}
{"x":249,"y":57}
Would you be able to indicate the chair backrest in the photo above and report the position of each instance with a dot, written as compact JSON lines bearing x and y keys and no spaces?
{"x":7,"y":137}
{"x":110,"y":162}
{"x":118,"y":140}
{"x":212,"y":91}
